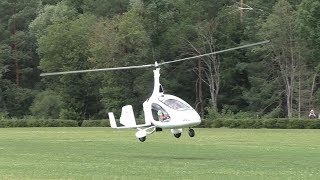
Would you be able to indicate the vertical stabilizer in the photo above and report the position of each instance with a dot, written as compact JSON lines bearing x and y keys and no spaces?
{"x":127,"y":116}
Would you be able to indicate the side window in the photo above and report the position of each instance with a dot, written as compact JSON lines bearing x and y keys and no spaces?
{"x":158,"y":113}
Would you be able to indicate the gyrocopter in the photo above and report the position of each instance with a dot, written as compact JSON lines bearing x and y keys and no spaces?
{"x":161,"y":111}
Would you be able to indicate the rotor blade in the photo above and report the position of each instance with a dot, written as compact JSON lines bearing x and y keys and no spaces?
{"x":216,"y":52}
{"x":95,"y":70}
{"x":152,"y":65}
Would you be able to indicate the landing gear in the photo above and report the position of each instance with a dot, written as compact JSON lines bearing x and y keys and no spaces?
{"x":176,"y":132}
{"x":191,"y":132}
{"x":142,"y":139}
{"x":141,"y":134}
{"x":177,"y":135}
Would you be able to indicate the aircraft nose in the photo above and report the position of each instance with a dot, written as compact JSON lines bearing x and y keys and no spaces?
{"x":192,"y":122}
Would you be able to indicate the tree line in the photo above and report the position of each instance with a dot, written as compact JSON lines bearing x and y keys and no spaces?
{"x":279,"y":79}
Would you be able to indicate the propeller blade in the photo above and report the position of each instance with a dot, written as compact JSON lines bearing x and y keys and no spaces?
{"x":216,"y":52}
{"x":95,"y":70}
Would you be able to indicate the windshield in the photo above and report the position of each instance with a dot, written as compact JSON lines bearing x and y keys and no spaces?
{"x":175,"y":104}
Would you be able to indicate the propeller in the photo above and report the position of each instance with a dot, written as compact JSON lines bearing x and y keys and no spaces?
{"x":155,"y":64}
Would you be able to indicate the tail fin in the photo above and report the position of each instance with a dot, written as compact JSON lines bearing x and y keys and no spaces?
{"x":112,"y":120}
{"x":127,"y":116}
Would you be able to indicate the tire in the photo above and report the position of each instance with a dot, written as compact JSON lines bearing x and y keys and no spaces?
{"x":191,"y":133}
{"x":177,"y":135}
{"x":142,"y":139}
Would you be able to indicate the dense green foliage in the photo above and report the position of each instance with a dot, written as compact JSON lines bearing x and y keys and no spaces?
{"x":102,"y":153}
{"x":46,"y":105}
{"x":95,"y":123}
{"x":271,"y":123}
{"x":280,"y":79}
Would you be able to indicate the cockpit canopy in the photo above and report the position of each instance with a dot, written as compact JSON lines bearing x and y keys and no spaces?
{"x":165,"y":108}
{"x":175,"y":104}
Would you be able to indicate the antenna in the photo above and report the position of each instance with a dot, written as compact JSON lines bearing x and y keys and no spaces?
{"x":155,"y":64}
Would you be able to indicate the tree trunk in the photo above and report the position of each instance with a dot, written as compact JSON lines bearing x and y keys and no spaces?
{"x":299,"y":96}
{"x":312,"y":88}
{"x":14,"y":54}
{"x":211,"y":64}
{"x":199,"y":91}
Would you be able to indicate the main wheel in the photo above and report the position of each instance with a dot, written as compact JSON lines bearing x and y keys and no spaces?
{"x":142,"y":139}
{"x":191,"y":133}
{"x":177,"y":135}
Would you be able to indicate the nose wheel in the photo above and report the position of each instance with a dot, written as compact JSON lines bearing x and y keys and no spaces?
{"x":191,"y":132}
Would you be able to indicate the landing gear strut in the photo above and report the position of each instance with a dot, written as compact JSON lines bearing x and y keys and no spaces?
{"x":191,"y":132}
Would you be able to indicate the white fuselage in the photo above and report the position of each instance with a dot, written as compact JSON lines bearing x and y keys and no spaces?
{"x":180,"y":113}
{"x":177,"y":118}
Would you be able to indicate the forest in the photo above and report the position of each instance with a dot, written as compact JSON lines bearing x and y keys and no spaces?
{"x":277,"y":80}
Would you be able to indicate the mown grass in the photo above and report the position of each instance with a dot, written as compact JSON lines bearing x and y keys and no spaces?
{"x":103,"y":153}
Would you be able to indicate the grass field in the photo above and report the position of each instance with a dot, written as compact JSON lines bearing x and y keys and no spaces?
{"x":103,"y":153}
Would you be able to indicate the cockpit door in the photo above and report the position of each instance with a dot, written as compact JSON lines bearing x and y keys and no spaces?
{"x":159,"y":114}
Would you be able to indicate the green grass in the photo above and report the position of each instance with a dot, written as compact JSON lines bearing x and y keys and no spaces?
{"x":103,"y":153}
